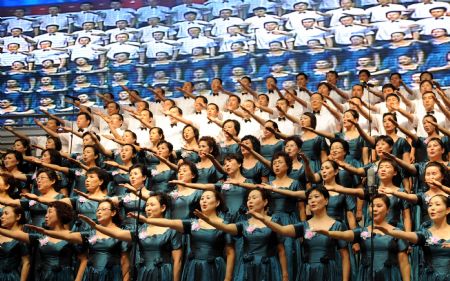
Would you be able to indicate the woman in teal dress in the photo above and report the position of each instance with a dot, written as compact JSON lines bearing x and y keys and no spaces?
{"x":7,"y":183}
{"x":320,"y":260}
{"x":269,"y":141}
{"x":86,"y":204}
{"x":211,"y":254}
{"x":165,"y":171}
{"x":314,"y":146}
{"x":208,"y":150}
{"x":229,"y":145}
{"x":14,"y":256}
{"x":47,"y":184}
{"x":159,"y":247}
{"x":252,"y":167}
{"x":263,"y":256}
{"x":107,"y":257}
{"x":390,"y":258}
{"x":358,"y":149}
{"x":292,"y":146}
{"x":185,"y":199}
{"x":433,"y":239}
{"x":53,"y":260}
{"x":190,"y":136}
{"x":119,"y":172}
{"x":233,"y":189}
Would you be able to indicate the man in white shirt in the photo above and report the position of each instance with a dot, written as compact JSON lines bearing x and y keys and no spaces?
{"x":45,"y":52}
{"x":342,"y":33}
{"x":27,"y":24}
{"x":58,"y":39}
{"x":190,"y":20}
{"x":123,"y":46}
{"x":179,"y":10}
{"x":54,"y":17}
{"x":427,"y":106}
{"x":152,"y":10}
{"x":378,"y":13}
{"x":84,"y":49}
{"x":157,"y":45}
{"x":227,"y":40}
{"x":97,"y":36}
{"x":259,"y":19}
{"x":173,"y":132}
{"x":25,"y":42}
{"x":146,"y":32}
{"x":116,"y":13}
{"x":347,"y":8}
{"x":422,"y":10}
{"x":438,"y":20}
{"x":122,"y":27}
{"x":11,"y":55}
{"x":325,"y":121}
{"x":395,"y":24}
{"x":270,"y":33}
{"x":86,"y":14}
{"x":220,"y":25}
{"x":195,"y":40}
{"x":294,"y":19}
{"x":309,"y":31}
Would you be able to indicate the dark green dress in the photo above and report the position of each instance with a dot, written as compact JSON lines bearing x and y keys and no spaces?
{"x":11,"y":254}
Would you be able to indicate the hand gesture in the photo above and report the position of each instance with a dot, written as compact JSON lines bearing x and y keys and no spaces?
{"x":88,"y":220}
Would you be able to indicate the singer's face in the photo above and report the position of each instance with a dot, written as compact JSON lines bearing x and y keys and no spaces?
{"x":126,"y":153}
{"x":317,"y":201}
{"x":208,"y":201}
{"x":255,"y":201}
{"x":203,"y":148}
{"x":185,"y":174}
{"x":382,"y":146}
{"x":337,"y":151}
{"x":386,"y":171}
{"x":434,"y":149}
{"x":231,"y":166}
{"x":427,"y":126}
{"x":92,"y":182}
{"x":279,"y":166}
{"x":380,"y":210}
{"x":153,"y":208}
{"x":136,"y":177}
{"x":291,"y":148}
{"x":433,"y":173}
{"x":437,"y":208}
{"x":327,"y":171}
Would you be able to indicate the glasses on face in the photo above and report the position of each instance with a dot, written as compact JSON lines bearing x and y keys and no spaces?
{"x":103,"y":209}
{"x":337,"y":148}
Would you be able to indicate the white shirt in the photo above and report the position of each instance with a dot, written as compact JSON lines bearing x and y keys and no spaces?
{"x":183,"y":26}
{"x":226,"y":40}
{"x":294,"y":19}
{"x":144,"y":13}
{"x":173,"y":134}
{"x":23,"y":44}
{"x":58,"y":39}
{"x":132,"y":33}
{"x":95,"y":35}
{"x":263,"y":38}
{"x":303,"y":35}
{"x":285,"y":126}
{"x":85,"y":16}
{"x":427,"y":25}
{"x":338,"y":13}
{"x":386,"y":28}
{"x":257,"y":22}
{"x":220,"y":25}
{"x":378,"y":13}
{"x":189,"y":43}
{"x":343,"y":33}
{"x":127,"y":47}
{"x":422,"y":10}
{"x":80,"y":51}
{"x":249,"y":127}
{"x":6,"y":59}
{"x":179,"y":11}
{"x":153,"y":47}
{"x":26,"y":25}
{"x":271,"y":6}
{"x":42,"y":55}
{"x":216,"y":6}
{"x":147,"y":32}
{"x":111,"y":16}
{"x":62,"y":20}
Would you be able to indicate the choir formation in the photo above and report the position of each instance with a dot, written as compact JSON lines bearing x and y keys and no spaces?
{"x":235,"y":140}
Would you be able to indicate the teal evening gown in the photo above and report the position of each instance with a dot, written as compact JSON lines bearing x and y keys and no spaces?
{"x":313,"y":150}
{"x":234,"y":197}
{"x":320,"y":254}
{"x":259,"y":259}
{"x":268,"y":150}
{"x":36,"y":210}
{"x":53,"y":261}
{"x":156,"y":254}
{"x":206,"y":260}
{"x":11,"y":254}
{"x":385,"y":262}
{"x":256,"y":172}
{"x":208,"y":175}
{"x":104,"y":257}
{"x":284,"y":209}
{"x":159,"y":182}
{"x":130,"y":204}
{"x":437,"y":258}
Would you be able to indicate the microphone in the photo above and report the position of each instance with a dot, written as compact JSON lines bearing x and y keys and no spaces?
{"x":371,"y":182}
{"x":366,"y":84}
{"x":72,"y":97}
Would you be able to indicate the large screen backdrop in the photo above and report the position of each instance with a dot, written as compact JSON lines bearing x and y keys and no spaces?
{"x":47,"y":59}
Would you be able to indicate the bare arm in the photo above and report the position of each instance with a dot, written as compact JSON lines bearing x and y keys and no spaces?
{"x":25,"y":268}
{"x":405,"y":165}
{"x":228,"y":228}
{"x":200,"y":186}
{"x":285,"y":230}
{"x":16,"y":234}
{"x":400,"y":234}
{"x":258,"y":156}
{"x":123,"y":235}
{"x":72,"y":237}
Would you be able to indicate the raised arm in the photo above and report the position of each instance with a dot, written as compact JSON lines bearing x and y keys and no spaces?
{"x":72,"y":237}
{"x":285,"y":230}
{"x":228,"y":228}
{"x":358,"y":192}
{"x":17,"y":134}
{"x":254,"y":116}
{"x":216,"y":164}
{"x":346,"y":235}
{"x":413,"y":198}
{"x":405,"y":165}
{"x":44,"y":200}
{"x":258,"y":156}
{"x":400,"y":234}
{"x":174,"y":224}
{"x":200,"y":186}
{"x":357,"y":171}
{"x":363,"y":134}
{"x":320,"y":133}
{"x":300,"y":194}
{"x":310,"y":175}
{"x":16,"y":235}
{"x":407,"y":132}
{"x":123,"y":235}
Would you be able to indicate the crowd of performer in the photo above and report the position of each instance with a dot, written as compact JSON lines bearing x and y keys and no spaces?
{"x":92,"y":51}
{"x":248,"y":186}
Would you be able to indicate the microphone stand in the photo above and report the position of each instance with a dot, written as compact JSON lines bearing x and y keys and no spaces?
{"x":136,"y":238}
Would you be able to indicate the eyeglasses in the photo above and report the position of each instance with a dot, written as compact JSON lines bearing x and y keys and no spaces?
{"x":103,"y":209}
{"x":336,"y":148}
